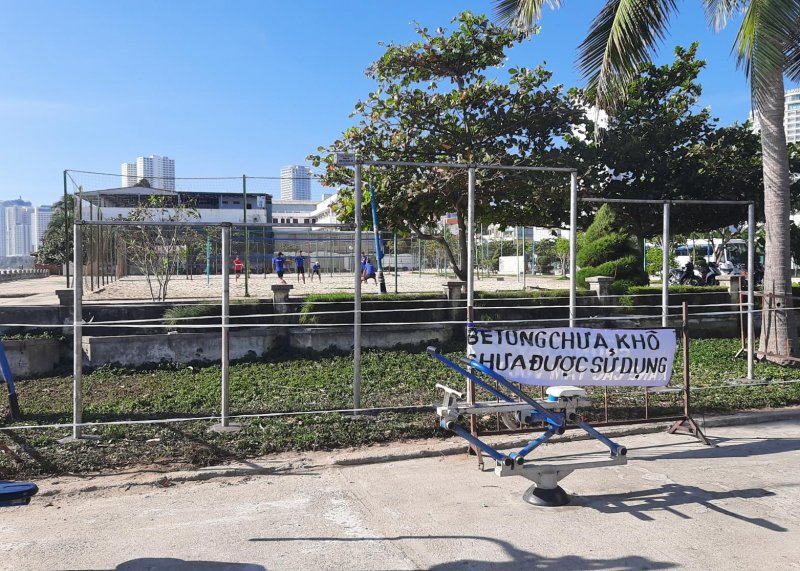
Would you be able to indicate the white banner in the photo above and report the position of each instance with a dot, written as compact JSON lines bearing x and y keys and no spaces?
{"x":577,"y":356}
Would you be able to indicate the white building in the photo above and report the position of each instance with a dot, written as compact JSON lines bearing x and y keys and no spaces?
{"x":159,"y":172}
{"x":295,"y":183}
{"x":791,"y":116}
{"x":791,"y":119}
{"x":42,"y":215}
{"x":17,"y":228}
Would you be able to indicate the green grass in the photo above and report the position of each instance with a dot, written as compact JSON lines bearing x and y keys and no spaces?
{"x":174,"y":315}
{"x":319,"y":301}
{"x":639,"y":290}
{"x":288,"y":383}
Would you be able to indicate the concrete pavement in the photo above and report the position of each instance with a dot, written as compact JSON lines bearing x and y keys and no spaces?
{"x":676,"y":505}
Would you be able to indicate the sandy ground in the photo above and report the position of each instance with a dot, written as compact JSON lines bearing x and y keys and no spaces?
{"x":135,"y":287}
{"x":676,"y":505}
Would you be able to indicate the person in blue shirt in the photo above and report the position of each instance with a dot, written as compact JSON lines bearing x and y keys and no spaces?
{"x":315,"y":271}
{"x":278,"y":266}
{"x":299,"y":264}
{"x":364,"y":260}
{"x":368,"y":272}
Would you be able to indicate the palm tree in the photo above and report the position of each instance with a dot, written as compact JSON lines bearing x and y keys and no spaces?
{"x":625,"y":34}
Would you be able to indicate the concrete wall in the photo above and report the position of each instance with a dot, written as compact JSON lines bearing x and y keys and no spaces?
{"x":137,"y":350}
{"x":36,"y":357}
{"x":13,"y":275}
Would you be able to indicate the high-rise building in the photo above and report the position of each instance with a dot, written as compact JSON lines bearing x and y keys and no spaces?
{"x":42,"y":215}
{"x":791,"y":116}
{"x":159,"y":172}
{"x":16,"y":226}
{"x":295,"y":183}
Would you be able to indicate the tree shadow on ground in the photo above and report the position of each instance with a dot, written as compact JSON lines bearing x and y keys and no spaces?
{"x":515,"y":558}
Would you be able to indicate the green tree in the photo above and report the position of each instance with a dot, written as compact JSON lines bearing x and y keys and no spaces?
{"x":654,"y":260}
{"x":660,"y":146}
{"x":562,"y":251}
{"x":53,"y":249}
{"x":624,"y":35}
{"x":154,"y":249}
{"x":607,"y":250}
{"x":434,"y":103}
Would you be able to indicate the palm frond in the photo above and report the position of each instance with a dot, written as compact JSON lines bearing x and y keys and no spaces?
{"x":622,"y":37}
{"x":719,"y":12}
{"x":793,"y":56}
{"x":522,"y":13}
{"x":767,"y":35}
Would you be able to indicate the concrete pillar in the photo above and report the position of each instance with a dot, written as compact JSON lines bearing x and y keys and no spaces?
{"x":455,"y":290}
{"x":599,"y":285}
{"x":734,"y":285}
{"x":280,"y":297}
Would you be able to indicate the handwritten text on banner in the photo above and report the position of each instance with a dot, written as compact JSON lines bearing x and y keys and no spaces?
{"x":577,"y":356}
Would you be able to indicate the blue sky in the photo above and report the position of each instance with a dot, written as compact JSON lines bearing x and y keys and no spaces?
{"x":234,"y":87}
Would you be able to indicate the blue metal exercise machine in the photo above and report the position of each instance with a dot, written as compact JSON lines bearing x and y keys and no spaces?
{"x":556,"y":411}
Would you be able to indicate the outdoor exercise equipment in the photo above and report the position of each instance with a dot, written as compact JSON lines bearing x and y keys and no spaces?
{"x":556,"y":411}
{"x":5,"y":373}
{"x":16,"y":493}
{"x":378,"y":249}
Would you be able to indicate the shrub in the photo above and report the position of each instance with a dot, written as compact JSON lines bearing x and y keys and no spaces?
{"x":605,"y":249}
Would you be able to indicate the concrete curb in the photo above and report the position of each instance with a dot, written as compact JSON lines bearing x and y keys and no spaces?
{"x":370,"y":455}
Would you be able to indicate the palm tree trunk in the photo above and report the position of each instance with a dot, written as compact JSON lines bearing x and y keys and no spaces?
{"x":778,"y":325}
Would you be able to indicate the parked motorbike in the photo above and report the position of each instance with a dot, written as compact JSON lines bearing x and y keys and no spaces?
{"x":690,"y":276}
{"x":710,"y":273}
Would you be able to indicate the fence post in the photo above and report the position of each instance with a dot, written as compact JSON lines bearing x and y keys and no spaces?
{"x":77,"y":335}
{"x":77,"y":340}
{"x":687,"y":424}
{"x":224,"y":425}
{"x":66,"y":230}
{"x":751,"y":267}
{"x":246,"y":238}
{"x":573,"y":238}
{"x":357,"y":296}
{"x":665,"y":268}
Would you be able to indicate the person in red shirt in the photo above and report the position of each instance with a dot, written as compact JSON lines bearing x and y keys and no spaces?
{"x":238,"y":266}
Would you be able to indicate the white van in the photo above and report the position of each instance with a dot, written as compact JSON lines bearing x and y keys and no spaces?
{"x":712,"y":250}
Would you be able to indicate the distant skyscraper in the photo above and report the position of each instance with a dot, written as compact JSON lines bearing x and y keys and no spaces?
{"x":791,"y":116}
{"x":16,"y":227}
{"x":159,"y":172}
{"x":42,"y":215}
{"x":295,"y":183}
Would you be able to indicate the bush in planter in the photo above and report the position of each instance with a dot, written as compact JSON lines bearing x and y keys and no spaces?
{"x":606,"y":249}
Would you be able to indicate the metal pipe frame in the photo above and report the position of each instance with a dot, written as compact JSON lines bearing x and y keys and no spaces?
{"x":556,"y":420}
{"x":357,"y":296}
{"x":226,"y":251}
{"x":665,"y":268}
{"x":532,"y":445}
{"x":677,"y":201}
{"x":211,"y":224}
{"x":751,"y":266}
{"x":475,"y":441}
{"x":573,"y":247}
{"x":77,"y":334}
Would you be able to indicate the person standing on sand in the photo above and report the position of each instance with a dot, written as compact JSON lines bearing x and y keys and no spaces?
{"x":237,"y":267}
{"x":278,"y":266}
{"x":315,"y":271}
{"x":299,"y":263}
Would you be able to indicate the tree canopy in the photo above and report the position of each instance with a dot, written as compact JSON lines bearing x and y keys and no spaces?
{"x":662,"y":146}
{"x":434,"y":102}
